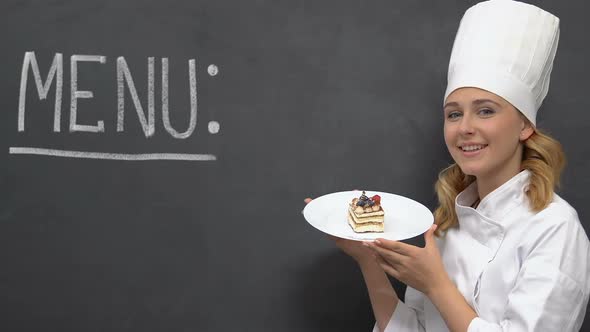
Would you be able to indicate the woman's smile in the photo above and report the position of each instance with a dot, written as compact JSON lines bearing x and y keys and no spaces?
{"x":471,"y":149}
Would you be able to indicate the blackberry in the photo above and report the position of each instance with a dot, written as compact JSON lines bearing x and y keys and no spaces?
{"x":364,"y":197}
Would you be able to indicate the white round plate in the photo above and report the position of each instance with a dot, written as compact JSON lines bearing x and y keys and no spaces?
{"x":404,"y":217}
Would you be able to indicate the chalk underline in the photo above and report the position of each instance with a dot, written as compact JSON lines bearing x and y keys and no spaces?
{"x":110,"y":155}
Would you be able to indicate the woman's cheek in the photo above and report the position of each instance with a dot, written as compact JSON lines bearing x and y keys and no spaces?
{"x":448,"y":137}
{"x":450,"y":141}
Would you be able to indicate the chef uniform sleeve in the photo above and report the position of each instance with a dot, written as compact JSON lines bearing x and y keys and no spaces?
{"x":551,"y":291}
{"x":408,"y":316}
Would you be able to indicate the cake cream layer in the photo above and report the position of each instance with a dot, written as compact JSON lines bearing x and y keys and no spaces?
{"x":365,"y":219}
{"x":367,"y":214}
{"x":365,"y":227}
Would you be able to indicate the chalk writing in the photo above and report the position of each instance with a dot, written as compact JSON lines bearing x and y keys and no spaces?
{"x":125,"y":83}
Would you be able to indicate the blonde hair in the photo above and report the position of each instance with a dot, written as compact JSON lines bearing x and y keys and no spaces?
{"x":542,"y":155}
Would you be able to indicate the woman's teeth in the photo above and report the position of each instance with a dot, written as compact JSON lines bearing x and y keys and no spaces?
{"x":472,"y":147}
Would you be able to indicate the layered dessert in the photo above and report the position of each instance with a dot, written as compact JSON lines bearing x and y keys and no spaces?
{"x":366,"y":214}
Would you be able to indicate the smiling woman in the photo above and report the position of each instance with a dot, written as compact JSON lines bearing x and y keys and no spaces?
{"x":506,"y":253}
{"x":484,"y":135}
{"x":491,"y":140}
{"x":511,"y":254}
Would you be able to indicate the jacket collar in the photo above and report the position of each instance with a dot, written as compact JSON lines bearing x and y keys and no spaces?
{"x":486,"y":224}
{"x":500,"y":201}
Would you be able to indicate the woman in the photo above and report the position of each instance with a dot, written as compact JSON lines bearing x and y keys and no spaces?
{"x":509,"y":254}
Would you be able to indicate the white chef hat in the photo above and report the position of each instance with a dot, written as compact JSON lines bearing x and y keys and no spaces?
{"x":507,"y":48}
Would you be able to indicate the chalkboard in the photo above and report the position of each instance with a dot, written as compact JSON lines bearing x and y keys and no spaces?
{"x":155,"y":154}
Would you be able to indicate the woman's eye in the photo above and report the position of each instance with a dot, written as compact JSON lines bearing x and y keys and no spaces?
{"x":486,"y":112}
{"x":453,"y":115}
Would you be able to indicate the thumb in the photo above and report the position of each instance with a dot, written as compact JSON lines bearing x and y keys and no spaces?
{"x":429,"y":236}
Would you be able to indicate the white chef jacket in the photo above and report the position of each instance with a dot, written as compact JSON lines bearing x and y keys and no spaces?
{"x":519,"y":270}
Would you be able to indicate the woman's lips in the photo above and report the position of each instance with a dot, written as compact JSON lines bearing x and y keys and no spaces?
{"x":473,"y":153}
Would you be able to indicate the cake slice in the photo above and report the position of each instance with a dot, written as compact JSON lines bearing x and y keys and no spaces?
{"x":366,"y":214}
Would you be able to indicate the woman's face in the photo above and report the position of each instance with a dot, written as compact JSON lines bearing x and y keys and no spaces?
{"x":483,"y":133}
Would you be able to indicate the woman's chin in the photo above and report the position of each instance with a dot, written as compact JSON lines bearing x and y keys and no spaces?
{"x":473,"y":171}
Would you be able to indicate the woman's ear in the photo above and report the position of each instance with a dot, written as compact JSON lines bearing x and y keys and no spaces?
{"x":526,"y":131}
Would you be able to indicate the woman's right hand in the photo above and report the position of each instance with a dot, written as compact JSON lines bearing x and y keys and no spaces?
{"x":355,"y":249}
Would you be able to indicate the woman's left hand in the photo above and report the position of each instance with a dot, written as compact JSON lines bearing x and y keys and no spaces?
{"x":419,"y":268}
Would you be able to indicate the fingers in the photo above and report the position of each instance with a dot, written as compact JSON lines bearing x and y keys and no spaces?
{"x":429,"y":235}
{"x":388,"y":268}
{"x":390,"y":256}
{"x":396,"y":246}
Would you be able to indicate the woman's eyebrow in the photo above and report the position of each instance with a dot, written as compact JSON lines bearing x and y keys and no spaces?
{"x":482,"y":101}
{"x":452,"y":103}
{"x":475,"y":102}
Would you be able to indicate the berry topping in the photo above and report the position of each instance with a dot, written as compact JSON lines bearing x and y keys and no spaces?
{"x":377,"y":199}
{"x":363,"y":200}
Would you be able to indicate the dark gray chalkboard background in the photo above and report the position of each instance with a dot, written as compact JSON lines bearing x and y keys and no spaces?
{"x":312,"y":97}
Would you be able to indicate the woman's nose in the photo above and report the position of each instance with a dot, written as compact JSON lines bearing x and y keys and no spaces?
{"x":466,"y":126}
